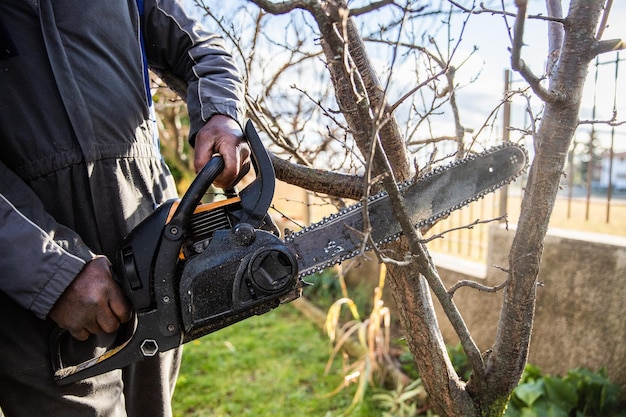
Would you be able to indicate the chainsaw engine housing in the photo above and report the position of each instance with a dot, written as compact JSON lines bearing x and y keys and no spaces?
{"x":242,"y":272}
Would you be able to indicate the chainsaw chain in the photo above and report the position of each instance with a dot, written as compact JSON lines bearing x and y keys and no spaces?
{"x":383,"y":194}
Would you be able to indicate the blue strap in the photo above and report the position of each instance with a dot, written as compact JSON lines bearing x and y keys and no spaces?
{"x":146,"y":75}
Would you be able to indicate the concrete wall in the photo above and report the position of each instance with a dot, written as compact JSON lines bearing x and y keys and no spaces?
{"x":580,"y":312}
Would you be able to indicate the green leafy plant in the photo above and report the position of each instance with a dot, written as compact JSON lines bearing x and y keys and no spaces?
{"x":459,"y":361}
{"x":580,"y":393}
{"x":405,"y":401}
{"x":325,"y":288}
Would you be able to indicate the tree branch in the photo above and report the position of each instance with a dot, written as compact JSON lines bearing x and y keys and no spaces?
{"x":516,"y":51}
{"x":609,"y":45}
{"x":467,"y":226}
{"x":611,"y":122}
{"x":604,"y":19}
{"x":555,"y":35}
{"x":412,"y":91}
{"x":476,"y":286}
{"x":371,"y":7}
{"x":425,"y":265}
{"x":484,"y":9}
{"x":317,"y":180}
{"x":283,"y":7}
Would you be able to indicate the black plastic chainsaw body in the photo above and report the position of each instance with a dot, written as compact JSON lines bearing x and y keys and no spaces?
{"x":190,"y":269}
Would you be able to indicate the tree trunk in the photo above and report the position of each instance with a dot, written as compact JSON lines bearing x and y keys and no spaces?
{"x":552,"y":141}
{"x":361,"y":98}
{"x":358,"y":90}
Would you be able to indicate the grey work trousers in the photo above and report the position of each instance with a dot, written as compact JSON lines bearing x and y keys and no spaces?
{"x":27,"y":387}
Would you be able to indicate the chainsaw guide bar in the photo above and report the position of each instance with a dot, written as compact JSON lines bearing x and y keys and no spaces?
{"x":338,"y":237}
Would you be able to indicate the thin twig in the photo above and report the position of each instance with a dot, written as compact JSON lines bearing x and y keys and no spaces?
{"x":476,"y":286}
{"x":483,"y":9}
{"x":611,"y":122}
{"x":604,"y":19}
{"x":282,"y":7}
{"x":467,"y":226}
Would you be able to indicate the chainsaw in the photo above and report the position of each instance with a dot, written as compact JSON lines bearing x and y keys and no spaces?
{"x":192,"y":268}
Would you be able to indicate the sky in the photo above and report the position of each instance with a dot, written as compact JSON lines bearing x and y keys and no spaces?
{"x":488,"y":34}
{"x":493,"y":58}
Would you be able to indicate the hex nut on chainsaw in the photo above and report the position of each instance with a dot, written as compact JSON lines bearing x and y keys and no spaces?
{"x":149,"y":347}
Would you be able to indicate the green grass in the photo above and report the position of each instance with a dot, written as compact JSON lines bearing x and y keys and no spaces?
{"x":270,"y":365}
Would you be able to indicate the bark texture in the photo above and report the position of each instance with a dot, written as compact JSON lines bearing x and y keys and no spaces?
{"x":552,"y":141}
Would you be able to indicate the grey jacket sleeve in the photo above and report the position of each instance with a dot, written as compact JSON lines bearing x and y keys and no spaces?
{"x":40,"y":257}
{"x":177,"y":44}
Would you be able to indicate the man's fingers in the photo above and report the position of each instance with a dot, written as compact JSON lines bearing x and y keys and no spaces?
{"x":115,"y":311}
{"x":92,"y":303}
{"x":81,"y":334}
{"x":107,"y":322}
{"x":222,"y":135}
{"x":236,"y":164}
{"x":120,"y":308}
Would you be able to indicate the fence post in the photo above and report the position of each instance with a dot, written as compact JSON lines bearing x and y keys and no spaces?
{"x":506,"y":123}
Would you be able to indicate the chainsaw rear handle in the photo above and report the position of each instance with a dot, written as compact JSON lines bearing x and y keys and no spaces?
{"x":143,"y":335}
{"x":198,"y":188}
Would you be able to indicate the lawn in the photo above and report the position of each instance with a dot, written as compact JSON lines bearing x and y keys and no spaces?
{"x":270,"y":365}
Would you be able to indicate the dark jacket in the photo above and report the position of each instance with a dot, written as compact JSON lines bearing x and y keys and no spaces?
{"x":79,"y":166}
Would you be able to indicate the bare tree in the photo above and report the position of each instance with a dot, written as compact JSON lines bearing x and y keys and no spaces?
{"x":362,"y":136}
